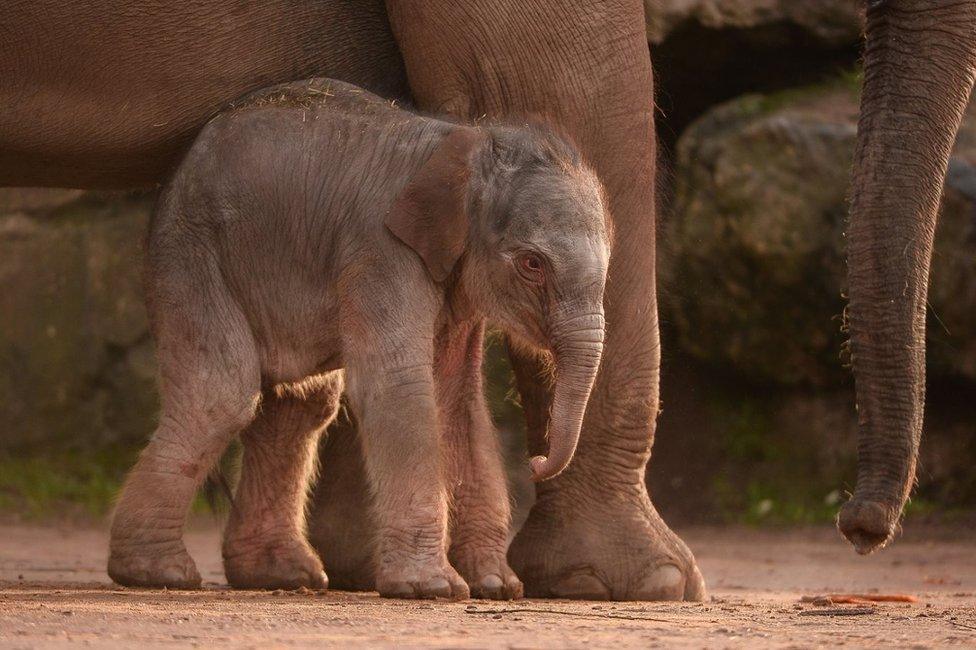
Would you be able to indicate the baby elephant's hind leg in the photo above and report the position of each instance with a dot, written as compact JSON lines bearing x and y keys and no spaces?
{"x":210,"y":386}
{"x":264,"y":544}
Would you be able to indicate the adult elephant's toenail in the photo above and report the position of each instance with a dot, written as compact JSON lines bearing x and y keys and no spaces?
{"x":666,"y":582}
{"x":438,"y":587}
{"x":320,"y":581}
{"x":584,"y":586}
{"x":695,"y":586}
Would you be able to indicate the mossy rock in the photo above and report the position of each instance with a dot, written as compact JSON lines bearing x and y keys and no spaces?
{"x":753,"y":255}
{"x":76,"y":361}
{"x":827,"y":21}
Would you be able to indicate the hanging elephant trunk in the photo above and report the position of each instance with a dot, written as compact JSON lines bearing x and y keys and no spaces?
{"x":919,"y":70}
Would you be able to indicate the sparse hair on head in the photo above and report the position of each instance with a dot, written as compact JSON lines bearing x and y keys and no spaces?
{"x":534,"y":139}
{"x":516,"y":150}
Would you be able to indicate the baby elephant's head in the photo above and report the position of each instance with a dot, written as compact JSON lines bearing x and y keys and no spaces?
{"x":514,"y":217}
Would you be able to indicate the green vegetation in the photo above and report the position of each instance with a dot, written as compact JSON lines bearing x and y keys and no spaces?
{"x":765,"y":474}
{"x":42,"y":486}
{"x":85,"y":483}
{"x":501,"y":394}
{"x":763,"y":467}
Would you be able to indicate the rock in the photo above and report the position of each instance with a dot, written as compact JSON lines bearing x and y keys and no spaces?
{"x":831,"y":22}
{"x":39,"y":200}
{"x":952,"y":285}
{"x":76,"y":360}
{"x":730,"y":450}
{"x":707,"y":52}
{"x":753,"y":264}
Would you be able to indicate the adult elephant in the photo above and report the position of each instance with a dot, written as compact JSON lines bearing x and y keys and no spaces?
{"x":101,"y":94}
{"x":919,"y":70}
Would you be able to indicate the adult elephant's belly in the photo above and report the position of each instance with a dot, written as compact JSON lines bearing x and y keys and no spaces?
{"x":103,"y":94}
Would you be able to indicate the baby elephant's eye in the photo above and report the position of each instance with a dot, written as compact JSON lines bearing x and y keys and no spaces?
{"x":530,"y":266}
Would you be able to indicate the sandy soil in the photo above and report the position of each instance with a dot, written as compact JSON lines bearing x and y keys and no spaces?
{"x":54,"y":592}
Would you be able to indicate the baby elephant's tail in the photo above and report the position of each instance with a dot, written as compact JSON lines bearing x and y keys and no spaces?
{"x":217,"y":491}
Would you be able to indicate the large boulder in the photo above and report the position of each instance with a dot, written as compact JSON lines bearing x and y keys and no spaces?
{"x":77,"y":370}
{"x":830,"y":22}
{"x":753,"y":262}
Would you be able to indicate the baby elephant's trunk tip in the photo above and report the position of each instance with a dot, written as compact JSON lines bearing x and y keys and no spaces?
{"x":547,"y":467}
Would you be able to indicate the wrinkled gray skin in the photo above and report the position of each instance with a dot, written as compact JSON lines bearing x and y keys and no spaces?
{"x":315,"y":227}
{"x":919,"y":70}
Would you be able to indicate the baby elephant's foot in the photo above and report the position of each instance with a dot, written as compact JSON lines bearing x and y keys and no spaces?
{"x":149,"y":567}
{"x":291,"y":564}
{"x":497,"y":585}
{"x":489,"y":577}
{"x":421,"y":580}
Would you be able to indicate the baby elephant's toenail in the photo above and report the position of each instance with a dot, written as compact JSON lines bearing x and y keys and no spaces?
{"x":492,"y":581}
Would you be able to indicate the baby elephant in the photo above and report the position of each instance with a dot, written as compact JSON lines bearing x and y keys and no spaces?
{"x":313,"y":230}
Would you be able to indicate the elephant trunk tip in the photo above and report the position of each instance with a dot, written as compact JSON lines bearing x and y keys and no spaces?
{"x":544,"y":468}
{"x":867,"y":525}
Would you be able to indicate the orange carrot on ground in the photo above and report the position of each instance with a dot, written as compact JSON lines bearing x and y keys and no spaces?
{"x":850,"y":599}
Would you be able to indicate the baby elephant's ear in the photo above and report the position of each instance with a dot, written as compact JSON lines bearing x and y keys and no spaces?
{"x":429,"y":214}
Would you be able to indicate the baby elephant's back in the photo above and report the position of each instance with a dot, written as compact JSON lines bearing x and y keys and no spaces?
{"x":319,"y":98}
{"x":282,"y":191}
{"x":318,"y":140}
{"x":311,"y":123}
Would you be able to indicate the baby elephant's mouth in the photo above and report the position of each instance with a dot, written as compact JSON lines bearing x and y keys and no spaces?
{"x":526,"y":331}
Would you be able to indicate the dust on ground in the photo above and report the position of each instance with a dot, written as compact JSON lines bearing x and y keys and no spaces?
{"x":54,"y":592}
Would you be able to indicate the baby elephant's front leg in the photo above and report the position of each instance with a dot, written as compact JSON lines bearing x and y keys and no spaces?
{"x":481,"y":514}
{"x":395,"y":403}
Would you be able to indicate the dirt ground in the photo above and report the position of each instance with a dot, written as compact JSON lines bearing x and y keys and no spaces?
{"x":54,"y":592}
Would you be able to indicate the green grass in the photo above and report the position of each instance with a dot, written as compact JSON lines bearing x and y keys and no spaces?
{"x":37,"y":486}
{"x":48,"y":486}
{"x":775,"y":503}
{"x":763,"y":475}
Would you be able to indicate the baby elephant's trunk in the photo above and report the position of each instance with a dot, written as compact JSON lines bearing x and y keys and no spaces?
{"x":578,"y":345}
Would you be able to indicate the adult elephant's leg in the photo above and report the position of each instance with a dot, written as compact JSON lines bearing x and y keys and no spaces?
{"x":593,"y":531}
{"x":340,"y":524}
{"x":264,"y":543}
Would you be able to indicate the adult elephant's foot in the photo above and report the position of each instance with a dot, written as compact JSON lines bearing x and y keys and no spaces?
{"x":576,"y":544}
{"x":340,"y":527}
{"x":348,"y":553}
{"x":154,"y":567}
{"x":251,"y":563}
